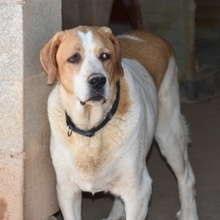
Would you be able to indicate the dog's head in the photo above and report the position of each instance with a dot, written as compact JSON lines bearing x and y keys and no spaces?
{"x":85,"y":60}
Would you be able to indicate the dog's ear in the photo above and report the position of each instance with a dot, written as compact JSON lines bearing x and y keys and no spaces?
{"x":117,"y":50}
{"x":48,"y":57}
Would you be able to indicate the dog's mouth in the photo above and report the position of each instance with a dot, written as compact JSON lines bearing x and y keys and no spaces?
{"x":96,"y":98}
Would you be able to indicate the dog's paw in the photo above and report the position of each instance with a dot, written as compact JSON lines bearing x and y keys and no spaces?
{"x":178,"y":216}
{"x":189,"y":216}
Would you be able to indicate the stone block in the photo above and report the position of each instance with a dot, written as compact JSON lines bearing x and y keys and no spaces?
{"x":11,"y":118}
{"x":173,"y":22}
{"x":27,"y":178}
{"x":40,"y":185}
{"x":11,"y":185}
{"x":11,"y":42}
{"x":36,"y":125}
{"x":163,"y":7}
{"x":41,"y":22}
{"x":82,"y":13}
{"x":174,"y":37}
{"x":202,"y":88}
{"x":39,"y":181}
{"x":12,"y":2}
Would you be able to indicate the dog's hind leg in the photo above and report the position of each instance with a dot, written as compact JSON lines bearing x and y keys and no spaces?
{"x":172,"y":138}
{"x":118,"y":211}
{"x":173,"y":147}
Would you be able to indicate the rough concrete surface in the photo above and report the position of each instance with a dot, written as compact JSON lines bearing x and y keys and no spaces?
{"x":11,"y":185}
{"x":27,"y":179}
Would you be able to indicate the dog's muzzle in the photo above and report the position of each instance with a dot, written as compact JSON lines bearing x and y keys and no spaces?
{"x":97,"y":81}
{"x":97,"y":91}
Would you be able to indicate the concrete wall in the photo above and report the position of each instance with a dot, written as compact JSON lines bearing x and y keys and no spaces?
{"x":27,"y":179}
{"x":208,"y":19}
{"x":83,"y":12}
{"x":174,"y":20}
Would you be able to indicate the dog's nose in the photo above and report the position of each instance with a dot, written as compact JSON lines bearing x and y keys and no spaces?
{"x":97,"y":81}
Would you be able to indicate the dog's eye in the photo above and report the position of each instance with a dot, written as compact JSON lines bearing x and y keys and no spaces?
{"x":74,"y":59}
{"x":104,"y":56}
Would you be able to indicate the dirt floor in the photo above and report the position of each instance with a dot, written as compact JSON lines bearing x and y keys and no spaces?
{"x":204,"y":152}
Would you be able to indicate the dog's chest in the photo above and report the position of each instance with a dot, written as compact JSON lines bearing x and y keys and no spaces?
{"x":93,"y":167}
{"x":90,"y":157}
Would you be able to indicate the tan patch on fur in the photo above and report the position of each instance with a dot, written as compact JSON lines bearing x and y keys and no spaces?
{"x":125,"y":102}
{"x":106,"y":40}
{"x":152,"y":51}
{"x":91,"y":156}
{"x":70,"y":45}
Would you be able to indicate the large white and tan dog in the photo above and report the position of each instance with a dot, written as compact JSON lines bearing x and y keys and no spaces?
{"x":113,"y":96}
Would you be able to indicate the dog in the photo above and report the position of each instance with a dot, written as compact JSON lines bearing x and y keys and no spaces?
{"x":113,"y":96}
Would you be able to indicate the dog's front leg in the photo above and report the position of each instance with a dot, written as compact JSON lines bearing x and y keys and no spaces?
{"x":136,"y":196}
{"x":117,"y":212}
{"x":136,"y":205}
{"x":69,"y":202}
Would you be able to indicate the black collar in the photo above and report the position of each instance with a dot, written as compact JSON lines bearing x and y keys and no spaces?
{"x":89,"y":133}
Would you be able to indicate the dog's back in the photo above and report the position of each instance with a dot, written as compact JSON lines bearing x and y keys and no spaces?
{"x":150,"y":50}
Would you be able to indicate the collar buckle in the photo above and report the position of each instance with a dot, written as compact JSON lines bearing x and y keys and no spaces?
{"x":69,"y":131}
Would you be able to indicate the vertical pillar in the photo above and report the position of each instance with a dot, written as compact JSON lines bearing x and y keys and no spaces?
{"x":27,"y":179}
{"x":188,"y":39}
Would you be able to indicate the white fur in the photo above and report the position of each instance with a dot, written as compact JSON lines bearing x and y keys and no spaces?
{"x":90,"y":65}
{"x":114,"y":159}
{"x":131,"y":37}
